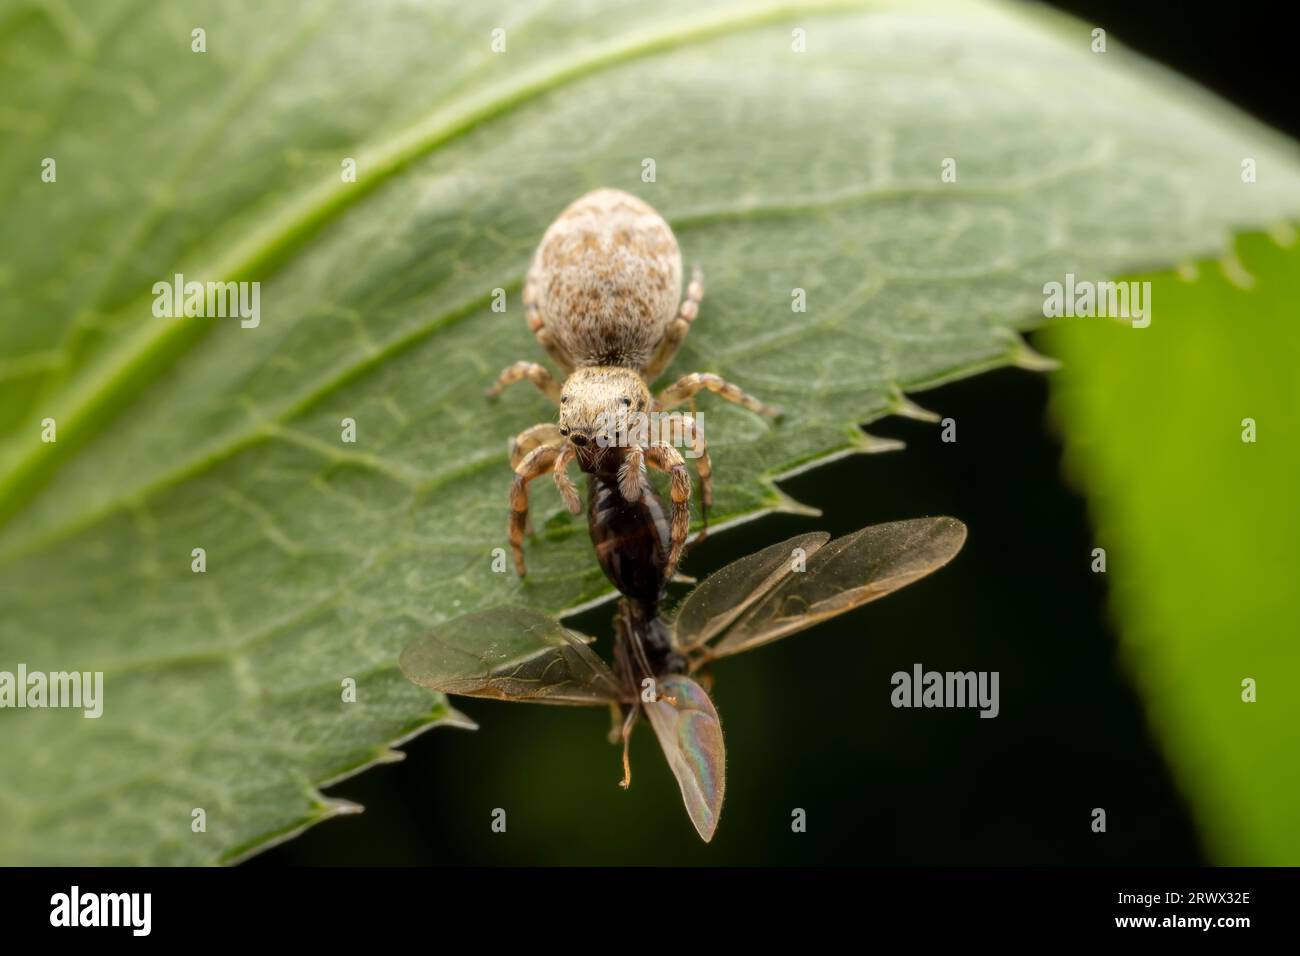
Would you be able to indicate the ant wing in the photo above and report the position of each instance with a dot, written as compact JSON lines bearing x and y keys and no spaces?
{"x":729,"y":592}
{"x":690,"y":734}
{"x":846,"y":573}
{"x":510,"y":653}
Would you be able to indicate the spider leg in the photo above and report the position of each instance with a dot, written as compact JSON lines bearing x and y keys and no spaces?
{"x":692,"y":432}
{"x":535,"y":464}
{"x":688,"y":386}
{"x":667,"y":459}
{"x":565,"y":455}
{"x":537,"y":374}
{"x":547,"y":433}
{"x":678,"y":328}
{"x":630,"y":473}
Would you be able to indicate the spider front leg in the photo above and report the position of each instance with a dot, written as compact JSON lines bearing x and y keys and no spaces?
{"x":536,"y":463}
{"x":631,"y":473}
{"x":562,"y":482}
{"x":676,"y":333}
{"x":688,"y":386}
{"x":547,"y":433}
{"x":535,"y":373}
{"x":667,"y":459}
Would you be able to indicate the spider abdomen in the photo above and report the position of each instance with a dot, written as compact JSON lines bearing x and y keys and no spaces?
{"x":606,"y":279}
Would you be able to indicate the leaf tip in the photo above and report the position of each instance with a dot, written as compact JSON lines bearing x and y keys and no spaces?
{"x":784,"y":504}
{"x":870,"y":444}
{"x":454,"y":718}
{"x":1024,"y":356}
{"x":904,"y":407}
{"x":338,"y":807}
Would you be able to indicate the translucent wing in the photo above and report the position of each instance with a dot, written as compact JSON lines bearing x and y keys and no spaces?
{"x":844,"y":574}
{"x":691,"y":737}
{"x":729,"y":592}
{"x":510,"y":653}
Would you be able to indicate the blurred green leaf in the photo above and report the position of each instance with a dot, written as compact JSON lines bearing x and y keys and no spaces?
{"x":780,"y":170}
{"x":1200,"y":527}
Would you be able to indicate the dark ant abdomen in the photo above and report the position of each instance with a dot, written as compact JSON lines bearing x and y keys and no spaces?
{"x":632,"y":539}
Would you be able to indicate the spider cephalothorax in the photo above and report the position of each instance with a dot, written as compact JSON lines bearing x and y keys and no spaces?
{"x":600,"y":407}
{"x":602,"y":296}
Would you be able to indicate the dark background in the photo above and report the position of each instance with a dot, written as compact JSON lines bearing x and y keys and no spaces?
{"x":808,"y":720}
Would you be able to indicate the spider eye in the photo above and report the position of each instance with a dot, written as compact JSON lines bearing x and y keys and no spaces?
{"x":627,"y":401}
{"x":563,"y":399}
{"x":564,"y":432}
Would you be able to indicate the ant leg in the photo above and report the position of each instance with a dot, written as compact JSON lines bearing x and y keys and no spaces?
{"x":678,"y":328}
{"x":688,"y":385}
{"x":535,"y":464}
{"x":666,"y":458}
{"x":535,"y":373}
{"x":628,"y":724}
{"x":616,"y":722}
{"x":661,"y":697}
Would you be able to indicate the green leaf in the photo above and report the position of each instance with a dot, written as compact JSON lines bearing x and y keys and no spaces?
{"x":779,"y":170}
{"x":1200,"y":526}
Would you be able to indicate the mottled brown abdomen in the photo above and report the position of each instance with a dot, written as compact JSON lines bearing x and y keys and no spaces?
{"x":606,"y":280}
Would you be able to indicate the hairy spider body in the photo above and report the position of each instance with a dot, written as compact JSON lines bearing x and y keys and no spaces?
{"x":603,"y":296}
{"x":605,"y":282}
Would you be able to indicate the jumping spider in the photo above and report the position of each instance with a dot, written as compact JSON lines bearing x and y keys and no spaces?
{"x":602,"y":298}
